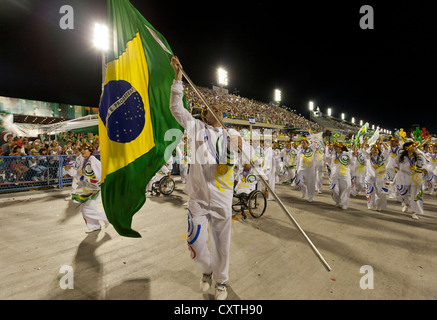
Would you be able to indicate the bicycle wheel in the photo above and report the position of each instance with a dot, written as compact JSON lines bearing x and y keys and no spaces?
{"x":166,"y":185}
{"x":257,"y":204}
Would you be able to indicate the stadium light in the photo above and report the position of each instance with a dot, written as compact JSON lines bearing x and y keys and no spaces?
{"x":353,"y":120}
{"x":277,"y":95}
{"x":361,"y":122}
{"x":342,"y":116}
{"x":100,"y":39}
{"x":311,"y":104}
{"x":329,"y":112}
{"x":222,"y":75}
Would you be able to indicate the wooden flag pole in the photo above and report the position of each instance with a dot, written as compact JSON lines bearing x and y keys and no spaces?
{"x":313,"y":247}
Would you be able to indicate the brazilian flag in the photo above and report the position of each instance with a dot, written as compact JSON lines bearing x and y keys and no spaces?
{"x":134,"y":113}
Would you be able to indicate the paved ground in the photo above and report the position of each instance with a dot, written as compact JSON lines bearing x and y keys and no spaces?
{"x":40,"y":232}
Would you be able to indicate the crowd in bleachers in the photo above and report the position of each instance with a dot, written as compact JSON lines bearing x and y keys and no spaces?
{"x":239,"y":107}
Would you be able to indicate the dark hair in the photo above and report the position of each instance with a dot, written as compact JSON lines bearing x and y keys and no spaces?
{"x":405,"y":152}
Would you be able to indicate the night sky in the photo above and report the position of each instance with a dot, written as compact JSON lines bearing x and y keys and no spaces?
{"x":309,"y":50}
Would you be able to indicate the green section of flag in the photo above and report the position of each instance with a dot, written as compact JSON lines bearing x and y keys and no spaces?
{"x":134,"y":113}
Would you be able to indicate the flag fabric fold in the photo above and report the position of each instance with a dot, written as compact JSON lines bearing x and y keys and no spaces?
{"x":134,"y":113}
{"x":360,"y":133}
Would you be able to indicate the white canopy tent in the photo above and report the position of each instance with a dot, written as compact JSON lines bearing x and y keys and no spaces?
{"x":90,"y":121}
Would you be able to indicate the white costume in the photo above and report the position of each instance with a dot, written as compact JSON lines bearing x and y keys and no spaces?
{"x":90,"y":173}
{"x":431,"y":167}
{"x":320,"y":162}
{"x":270,"y":169}
{"x":409,"y":182}
{"x":306,"y":174}
{"x":358,"y":174}
{"x":376,"y":167}
{"x":210,"y":192}
{"x":289,"y":159}
{"x":246,"y":181}
{"x":340,"y":178}
{"x":390,"y":174}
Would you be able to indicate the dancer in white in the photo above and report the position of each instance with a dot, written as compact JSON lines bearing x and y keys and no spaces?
{"x":340,"y":179}
{"x":376,"y":167}
{"x":319,"y":165}
{"x":209,"y":188}
{"x":306,"y":174}
{"x":358,"y":173}
{"x":269,"y":165}
{"x":432,"y":177}
{"x":394,"y":151}
{"x":409,"y":179}
{"x":289,"y":155}
{"x":89,"y":195}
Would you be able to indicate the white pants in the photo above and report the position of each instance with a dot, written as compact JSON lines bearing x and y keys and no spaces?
{"x":183,"y":173}
{"x":219,"y":220}
{"x":341,"y":189}
{"x":376,"y":197}
{"x":393,"y":190}
{"x":92,"y":215}
{"x":319,"y":178}
{"x":306,"y":182}
{"x":409,"y":194}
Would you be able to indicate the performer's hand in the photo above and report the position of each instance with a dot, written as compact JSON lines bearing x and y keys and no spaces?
{"x":67,"y":167}
{"x":177,"y":67}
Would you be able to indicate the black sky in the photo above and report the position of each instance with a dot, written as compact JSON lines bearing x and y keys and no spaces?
{"x":309,"y":50}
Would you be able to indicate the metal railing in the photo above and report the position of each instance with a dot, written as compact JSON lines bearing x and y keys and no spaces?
{"x":33,"y":172}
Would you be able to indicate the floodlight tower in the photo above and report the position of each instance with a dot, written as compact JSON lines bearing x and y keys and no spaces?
{"x":101,"y":42}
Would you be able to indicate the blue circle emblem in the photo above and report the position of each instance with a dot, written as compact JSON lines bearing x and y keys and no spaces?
{"x":122,"y":111}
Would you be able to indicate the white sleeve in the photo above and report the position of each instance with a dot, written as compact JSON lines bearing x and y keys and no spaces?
{"x":181,"y":114}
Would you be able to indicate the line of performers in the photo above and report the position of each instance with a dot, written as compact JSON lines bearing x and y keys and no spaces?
{"x":400,"y":170}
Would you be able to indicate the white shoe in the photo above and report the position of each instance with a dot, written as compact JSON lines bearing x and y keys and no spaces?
{"x":344,"y":207}
{"x":205,"y":282}
{"x":404,"y":209}
{"x":414,"y":216}
{"x":221,"y":291}
{"x":94,"y":230}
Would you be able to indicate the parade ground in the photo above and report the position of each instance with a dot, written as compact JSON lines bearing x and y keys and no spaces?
{"x":373,"y":255}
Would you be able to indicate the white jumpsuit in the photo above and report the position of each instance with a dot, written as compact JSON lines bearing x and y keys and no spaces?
{"x":431,"y":178}
{"x":90,"y":174}
{"x":306,"y":173}
{"x":409,"y":181}
{"x":390,"y":174}
{"x":358,"y":175}
{"x":340,"y":178}
{"x":289,"y":159}
{"x":374,"y":181}
{"x":210,"y":193}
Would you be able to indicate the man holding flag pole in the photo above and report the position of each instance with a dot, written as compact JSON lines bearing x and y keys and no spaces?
{"x":134,"y":118}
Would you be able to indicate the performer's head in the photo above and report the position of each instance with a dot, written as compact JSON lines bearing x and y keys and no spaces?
{"x":87,"y":150}
{"x":393,"y":141}
{"x":339,"y":148}
{"x":376,"y":150}
{"x":410,"y":147}
{"x":209,"y":118}
{"x":304,"y":143}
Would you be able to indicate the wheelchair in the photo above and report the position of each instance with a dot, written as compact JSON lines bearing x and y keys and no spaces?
{"x":165,"y":186}
{"x":255,"y":202}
